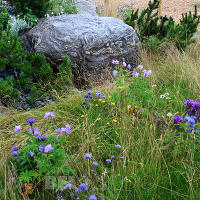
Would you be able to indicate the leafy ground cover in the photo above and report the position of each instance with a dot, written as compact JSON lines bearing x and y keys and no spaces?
{"x":123,"y":140}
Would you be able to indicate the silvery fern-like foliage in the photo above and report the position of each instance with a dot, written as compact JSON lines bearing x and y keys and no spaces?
{"x":17,"y":24}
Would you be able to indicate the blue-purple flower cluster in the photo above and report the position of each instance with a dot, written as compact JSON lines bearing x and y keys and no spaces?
{"x":123,"y":9}
{"x":64,"y":130}
{"x":82,"y":187}
{"x":144,"y":72}
{"x":35,"y":131}
{"x":192,"y":117}
{"x":89,"y":95}
{"x":193,"y":108}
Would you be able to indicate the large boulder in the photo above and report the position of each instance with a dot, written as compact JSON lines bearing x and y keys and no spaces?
{"x":85,"y":7}
{"x":89,"y":41}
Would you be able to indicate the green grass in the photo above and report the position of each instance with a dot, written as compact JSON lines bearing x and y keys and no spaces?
{"x":151,"y":169}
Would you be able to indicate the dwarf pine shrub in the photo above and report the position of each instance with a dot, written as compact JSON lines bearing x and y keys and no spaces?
{"x":38,"y":7}
{"x":4,"y":17}
{"x":30,"y":73}
{"x":148,"y":24}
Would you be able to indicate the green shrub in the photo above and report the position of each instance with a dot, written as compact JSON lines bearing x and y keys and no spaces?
{"x":4,"y":17}
{"x":60,"y":7}
{"x":148,"y":24}
{"x":38,"y":7}
{"x":40,"y":156}
{"x":17,"y":25}
{"x":35,"y":75}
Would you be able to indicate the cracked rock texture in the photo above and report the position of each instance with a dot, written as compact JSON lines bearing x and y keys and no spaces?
{"x":89,"y":41}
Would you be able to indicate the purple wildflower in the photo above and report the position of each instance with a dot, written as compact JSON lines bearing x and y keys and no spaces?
{"x":124,"y":64}
{"x":95,"y":163}
{"x":59,"y":195}
{"x":41,"y":148}
{"x":71,"y":194}
{"x":83,"y":187}
{"x":68,"y":129}
{"x":30,"y":121}
{"x":108,"y":160}
{"x":78,"y":190}
{"x":68,"y":186}
{"x":98,"y":94}
{"x":93,"y":197}
{"x":48,"y":115}
{"x":14,"y":148}
{"x":140,"y":67}
{"x":57,"y":130}
{"x":147,"y":73}
{"x":192,"y":106}
{"x":17,"y":129}
{"x":31,"y":154}
{"x":33,"y":129}
{"x":115,"y":72}
{"x":118,"y":146}
{"x":48,"y":148}
{"x":115,"y":62}
{"x":15,"y":153}
{"x":129,"y":66}
{"x":136,"y":74}
{"x":11,"y":179}
{"x":88,"y":155}
{"x":177,"y":119}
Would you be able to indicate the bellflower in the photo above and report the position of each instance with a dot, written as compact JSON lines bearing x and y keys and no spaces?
{"x":78,"y":190}
{"x":48,"y":115}
{"x":115,"y":62}
{"x":68,"y":186}
{"x":58,"y":130}
{"x":115,"y":72}
{"x":136,"y":74}
{"x":124,"y":64}
{"x":15,"y":153}
{"x":129,"y":66}
{"x":93,"y":197}
{"x":98,"y":94}
{"x":147,"y":73}
{"x":48,"y":148}
{"x":140,"y":67}
{"x":83,"y":187}
{"x":14,"y":148}
{"x":118,"y":146}
{"x":41,"y":148}
{"x":108,"y":160}
{"x":177,"y":119}
{"x":68,"y":129}
{"x":190,"y":119}
{"x":94,"y":163}
{"x":31,"y":153}
{"x":88,"y":155}
{"x":33,"y":129}
{"x":30,"y":121}
{"x":17,"y":129}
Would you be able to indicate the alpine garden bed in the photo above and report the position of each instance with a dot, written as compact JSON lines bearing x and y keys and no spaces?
{"x":136,"y":137}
